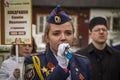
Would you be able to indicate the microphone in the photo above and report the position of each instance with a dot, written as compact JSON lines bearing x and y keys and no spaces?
{"x":68,"y":53}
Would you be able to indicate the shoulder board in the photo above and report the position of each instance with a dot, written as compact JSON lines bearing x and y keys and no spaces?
{"x":79,"y":55}
{"x":38,"y":53}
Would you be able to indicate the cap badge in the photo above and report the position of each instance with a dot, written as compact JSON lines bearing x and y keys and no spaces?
{"x":57,"y":19}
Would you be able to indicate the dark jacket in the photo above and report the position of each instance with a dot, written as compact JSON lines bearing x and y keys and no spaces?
{"x":105,"y":63}
{"x":79,"y":67}
{"x":117,"y":47}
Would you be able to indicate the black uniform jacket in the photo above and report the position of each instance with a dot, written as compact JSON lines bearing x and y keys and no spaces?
{"x":105,"y":64}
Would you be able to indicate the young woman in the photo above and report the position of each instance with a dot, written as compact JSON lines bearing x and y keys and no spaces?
{"x":53,"y":64}
{"x":10,"y":69}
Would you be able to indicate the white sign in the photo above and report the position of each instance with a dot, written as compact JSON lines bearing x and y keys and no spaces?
{"x":18,"y":22}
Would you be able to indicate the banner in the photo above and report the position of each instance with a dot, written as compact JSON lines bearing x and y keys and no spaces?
{"x":17,"y":22}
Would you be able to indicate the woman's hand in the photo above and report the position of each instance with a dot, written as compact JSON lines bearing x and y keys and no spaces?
{"x":16,"y":73}
{"x":62,"y":59}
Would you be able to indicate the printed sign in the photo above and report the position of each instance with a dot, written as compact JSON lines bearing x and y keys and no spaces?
{"x":17,"y":21}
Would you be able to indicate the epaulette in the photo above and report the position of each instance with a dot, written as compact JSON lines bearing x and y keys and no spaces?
{"x":37,"y":53}
{"x":79,"y":55}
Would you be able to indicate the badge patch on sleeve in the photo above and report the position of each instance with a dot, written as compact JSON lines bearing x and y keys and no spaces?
{"x":30,"y":73}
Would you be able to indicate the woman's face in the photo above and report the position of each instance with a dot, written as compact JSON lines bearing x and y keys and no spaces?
{"x":25,"y":49}
{"x":59,"y":34}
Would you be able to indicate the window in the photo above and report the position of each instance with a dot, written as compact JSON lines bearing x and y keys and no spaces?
{"x":116,"y":24}
{"x":41,"y":21}
{"x":113,"y":23}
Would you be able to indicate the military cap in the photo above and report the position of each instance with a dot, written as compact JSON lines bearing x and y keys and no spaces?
{"x":97,"y":21}
{"x":58,"y":16}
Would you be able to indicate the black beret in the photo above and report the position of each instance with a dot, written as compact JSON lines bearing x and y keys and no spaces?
{"x":97,"y":21}
{"x":58,"y":16}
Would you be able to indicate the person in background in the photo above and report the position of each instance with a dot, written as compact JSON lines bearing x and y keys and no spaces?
{"x":55,"y":63}
{"x":105,"y":60}
{"x":117,"y":47}
{"x":10,"y":69}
